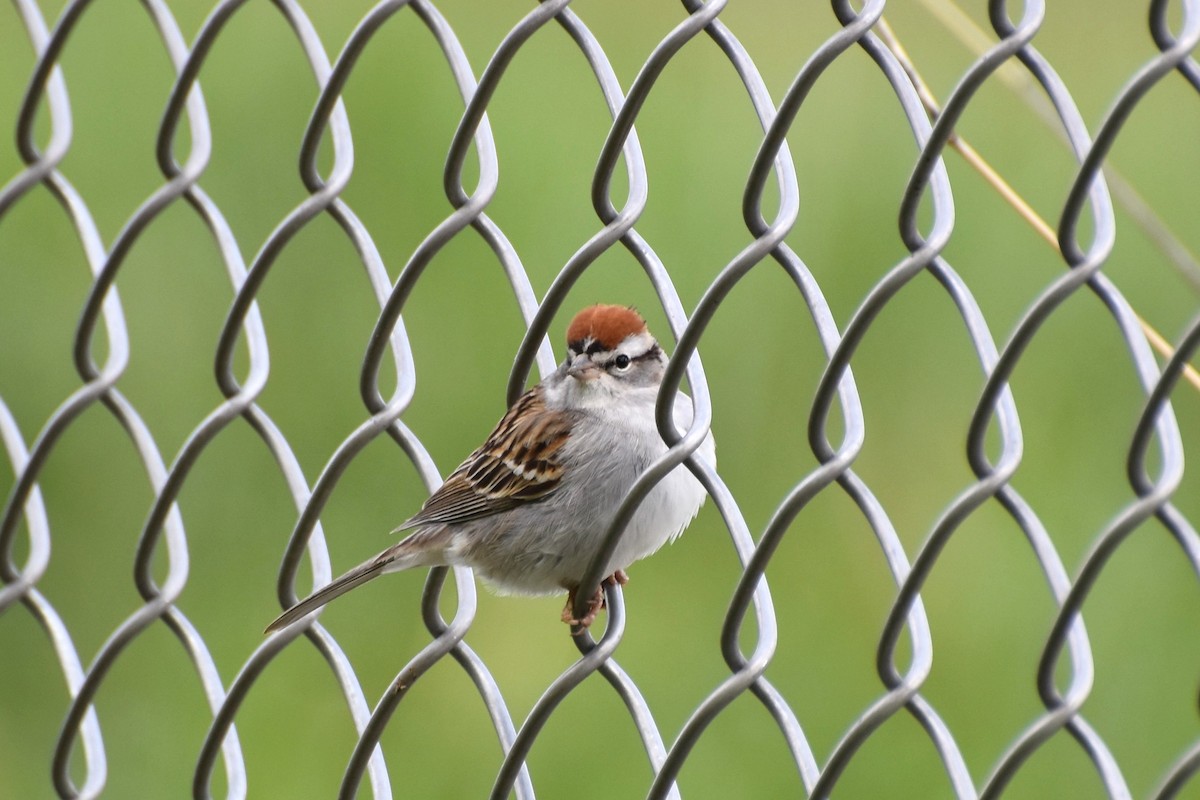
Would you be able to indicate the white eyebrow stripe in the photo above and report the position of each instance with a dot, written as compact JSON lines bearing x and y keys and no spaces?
{"x":636,"y":345}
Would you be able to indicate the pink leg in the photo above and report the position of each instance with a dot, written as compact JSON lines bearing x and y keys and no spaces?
{"x":594,"y":605}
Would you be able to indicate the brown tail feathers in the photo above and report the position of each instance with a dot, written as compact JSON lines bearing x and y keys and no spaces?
{"x":397,"y":557}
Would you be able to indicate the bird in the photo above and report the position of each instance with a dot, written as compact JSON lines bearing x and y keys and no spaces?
{"x":529,"y":509}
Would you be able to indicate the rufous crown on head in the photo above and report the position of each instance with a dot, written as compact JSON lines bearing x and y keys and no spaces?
{"x":605,"y":325}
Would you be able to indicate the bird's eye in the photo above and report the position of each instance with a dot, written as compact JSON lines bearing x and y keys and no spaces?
{"x":622,"y":362}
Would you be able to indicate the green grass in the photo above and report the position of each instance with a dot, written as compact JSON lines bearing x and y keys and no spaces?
{"x":919,"y":379}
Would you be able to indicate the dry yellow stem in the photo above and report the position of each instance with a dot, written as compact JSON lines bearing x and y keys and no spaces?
{"x":989,"y":174}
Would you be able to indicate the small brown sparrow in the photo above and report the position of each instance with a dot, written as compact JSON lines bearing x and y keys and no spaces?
{"x":529,"y":509}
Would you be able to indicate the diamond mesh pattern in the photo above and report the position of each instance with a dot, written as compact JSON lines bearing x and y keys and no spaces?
{"x":186,"y":150}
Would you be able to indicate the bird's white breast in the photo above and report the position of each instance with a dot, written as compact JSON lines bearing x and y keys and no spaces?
{"x":547,"y":546}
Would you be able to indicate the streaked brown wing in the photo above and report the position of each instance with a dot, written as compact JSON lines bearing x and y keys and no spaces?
{"x":519,"y":463}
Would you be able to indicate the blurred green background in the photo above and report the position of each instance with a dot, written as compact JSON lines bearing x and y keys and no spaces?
{"x":919,"y":378}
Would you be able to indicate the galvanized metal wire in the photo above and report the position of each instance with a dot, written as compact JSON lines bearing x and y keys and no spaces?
{"x":836,"y":424}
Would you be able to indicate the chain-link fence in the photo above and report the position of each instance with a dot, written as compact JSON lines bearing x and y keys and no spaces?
{"x":152,"y":223}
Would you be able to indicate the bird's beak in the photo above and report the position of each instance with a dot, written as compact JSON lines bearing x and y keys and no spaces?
{"x":582,"y":369}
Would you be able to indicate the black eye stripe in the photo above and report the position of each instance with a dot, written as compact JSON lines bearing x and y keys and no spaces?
{"x":653,"y":352}
{"x":594,"y":349}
